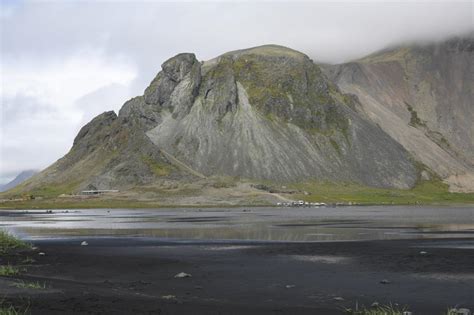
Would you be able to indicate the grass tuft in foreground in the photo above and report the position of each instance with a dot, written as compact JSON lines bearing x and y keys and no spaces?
{"x":10,"y":310}
{"x":28,"y":261}
{"x":377,"y":310}
{"x":7,"y":309}
{"x":30,"y":285}
{"x":455,"y":311}
{"x":8,"y":271}
{"x":9,"y":243}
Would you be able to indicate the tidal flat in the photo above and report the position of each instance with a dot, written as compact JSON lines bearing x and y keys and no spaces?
{"x":240,"y":260}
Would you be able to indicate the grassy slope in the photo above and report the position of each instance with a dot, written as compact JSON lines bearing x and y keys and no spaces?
{"x":66,"y":203}
{"x":427,"y":192}
{"x":63,"y":203}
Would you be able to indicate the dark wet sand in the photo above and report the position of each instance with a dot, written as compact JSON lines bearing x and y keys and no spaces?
{"x":134,"y":276}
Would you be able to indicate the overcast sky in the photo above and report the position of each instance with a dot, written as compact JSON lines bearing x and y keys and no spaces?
{"x":63,"y":62}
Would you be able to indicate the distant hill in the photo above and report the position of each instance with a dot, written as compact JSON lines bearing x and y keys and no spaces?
{"x":20,"y":178}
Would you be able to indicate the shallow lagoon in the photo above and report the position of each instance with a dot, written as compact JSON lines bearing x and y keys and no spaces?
{"x":252,"y":224}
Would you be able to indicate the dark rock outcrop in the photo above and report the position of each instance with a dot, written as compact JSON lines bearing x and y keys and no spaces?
{"x":269,"y":113}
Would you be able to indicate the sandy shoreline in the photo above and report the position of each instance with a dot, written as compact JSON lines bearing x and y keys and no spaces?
{"x":136,"y":275}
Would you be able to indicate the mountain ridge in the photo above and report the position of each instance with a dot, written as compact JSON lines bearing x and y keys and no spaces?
{"x":21,"y":177}
{"x":421,"y":96}
{"x":265,"y":113}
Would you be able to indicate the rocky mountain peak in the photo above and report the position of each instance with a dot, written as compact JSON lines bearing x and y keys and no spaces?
{"x":95,"y":126}
{"x":177,"y":67}
{"x":268,"y":51}
{"x":263,"y":113}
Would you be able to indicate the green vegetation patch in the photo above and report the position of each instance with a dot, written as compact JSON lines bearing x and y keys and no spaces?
{"x":28,"y":261}
{"x":9,"y":243}
{"x":415,"y":121}
{"x":425,"y":192}
{"x":159,"y":169}
{"x":54,"y":190}
{"x":274,"y":86}
{"x":335,"y":146}
{"x":224,"y":182}
{"x":377,"y":310}
{"x":45,"y":191}
{"x":72,"y":203}
{"x":394,"y":55}
{"x":30,"y":285}
{"x":10,"y":310}
{"x":9,"y":271}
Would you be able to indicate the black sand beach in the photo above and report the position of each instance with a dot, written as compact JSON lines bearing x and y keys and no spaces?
{"x":137,"y":276}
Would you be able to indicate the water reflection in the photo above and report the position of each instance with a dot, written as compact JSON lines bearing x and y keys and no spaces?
{"x":265,"y":224}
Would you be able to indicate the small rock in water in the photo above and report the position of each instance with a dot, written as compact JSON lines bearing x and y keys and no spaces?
{"x":338,"y":298}
{"x":290,"y":286}
{"x":84,"y":243}
{"x":41,"y":254}
{"x":384,"y":281}
{"x":168,"y":297}
{"x":183,"y":275}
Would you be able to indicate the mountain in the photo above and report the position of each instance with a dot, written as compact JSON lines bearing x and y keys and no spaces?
{"x":20,"y":178}
{"x":266,"y":113}
{"x":422,"y":96}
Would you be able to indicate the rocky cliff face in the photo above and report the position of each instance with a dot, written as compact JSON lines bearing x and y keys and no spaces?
{"x":265,"y":113}
{"x":422,"y":96}
{"x":269,"y":113}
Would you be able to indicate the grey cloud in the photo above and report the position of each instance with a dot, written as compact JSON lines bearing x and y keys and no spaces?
{"x":151,"y":32}
{"x":18,"y":107}
{"x":27,"y":124}
{"x":108,"y":97}
{"x":209,"y":27}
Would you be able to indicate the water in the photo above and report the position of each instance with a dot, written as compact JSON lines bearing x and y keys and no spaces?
{"x":253,"y":224}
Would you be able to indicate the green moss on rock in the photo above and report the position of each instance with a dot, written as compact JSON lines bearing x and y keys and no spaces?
{"x":158,"y":168}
